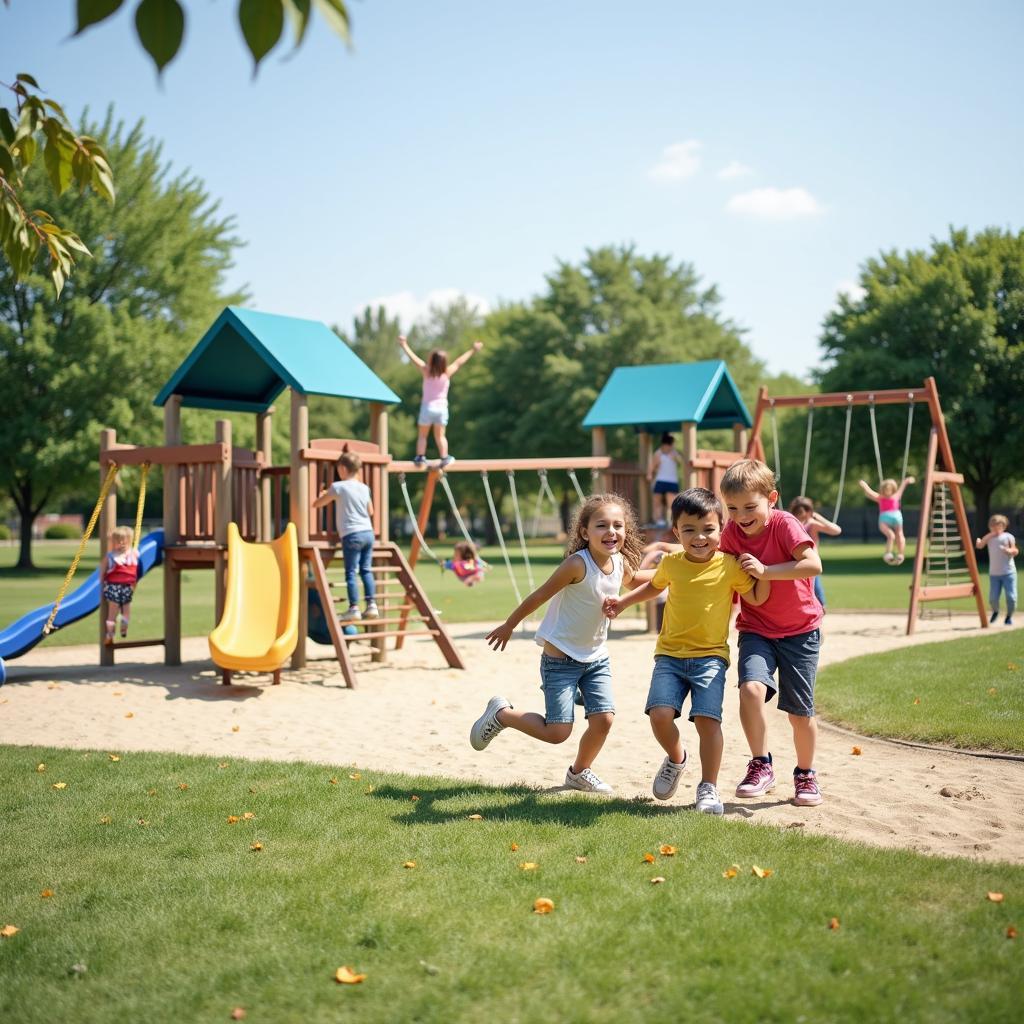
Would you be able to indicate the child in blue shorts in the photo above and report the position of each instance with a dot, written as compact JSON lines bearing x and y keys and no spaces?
{"x":692,"y":653}
{"x":603,"y":551}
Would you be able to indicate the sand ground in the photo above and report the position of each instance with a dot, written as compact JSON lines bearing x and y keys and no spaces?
{"x":413,"y":715}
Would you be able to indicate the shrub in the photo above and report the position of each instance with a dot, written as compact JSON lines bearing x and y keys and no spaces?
{"x":62,"y":531}
{"x":5,"y":532}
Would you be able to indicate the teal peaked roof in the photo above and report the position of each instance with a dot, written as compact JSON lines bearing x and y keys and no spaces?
{"x":662,"y":396}
{"x":246,"y":359}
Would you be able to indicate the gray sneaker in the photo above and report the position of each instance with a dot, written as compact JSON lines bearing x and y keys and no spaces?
{"x":666,"y":782}
{"x":352,"y":615}
{"x":487,"y":726}
{"x":707,"y":799}
{"x":372,"y":611}
{"x":585,"y":781}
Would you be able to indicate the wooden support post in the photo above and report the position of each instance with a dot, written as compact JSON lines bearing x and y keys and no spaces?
{"x":739,"y":437}
{"x":599,"y":446}
{"x":299,"y":508}
{"x":755,"y":450}
{"x":643,"y":484}
{"x":172,"y":534}
{"x":222,"y":515}
{"x":265,"y":445}
{"x":379,"y":436}
{"x":108,"y":520}
{"x":922,"y":532}
{"x":414,"y":549}
{"x":689,"y":453}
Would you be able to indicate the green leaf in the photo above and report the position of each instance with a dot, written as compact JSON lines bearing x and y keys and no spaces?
{"x":92,"y":11}
{"x":298,"y":13}
{"x":81,"y":168}
{"x":336,"y":15}
{"x":57,"y":109}
{"x":103,"y":181}
{"x":7,"y":128}
{"x":160,"y":25}
{"x":72,"y":240}
{"x":27,"y":149}
{"x":27,"y":79}
{"x":6,"y":161}
{"x":262,"y":22}
{"x":58,"y":165}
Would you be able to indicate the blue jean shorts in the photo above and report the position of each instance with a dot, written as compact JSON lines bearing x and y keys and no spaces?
{"x":702,"y":678}
{"x":560,"y":678}
{"x":795,"y":657}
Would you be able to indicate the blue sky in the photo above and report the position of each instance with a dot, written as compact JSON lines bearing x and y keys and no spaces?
{"x":468,"y":147}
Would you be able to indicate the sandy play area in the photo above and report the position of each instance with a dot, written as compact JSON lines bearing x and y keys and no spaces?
{"x":413,"y":715}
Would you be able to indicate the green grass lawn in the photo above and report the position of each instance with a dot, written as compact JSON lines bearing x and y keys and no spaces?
{"x":965,"y":693}
{"x":176,"y":918}
{"x":855,"y":578}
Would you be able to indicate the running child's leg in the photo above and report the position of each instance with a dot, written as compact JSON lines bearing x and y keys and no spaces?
{"x":111,"y":620}
{"x":126,"y":612}
{"x":753,"y":716}
{"x":532,"y":724}
{"x":709,"y":730}
{"x":798,"y":668}
{"x":664,"y":705}
{"x":805,"y":740}
{"x":757,"y":662}
{"x":592,"y":740}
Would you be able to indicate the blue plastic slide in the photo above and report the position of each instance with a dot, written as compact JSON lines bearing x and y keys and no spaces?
{"x":24,"y":634}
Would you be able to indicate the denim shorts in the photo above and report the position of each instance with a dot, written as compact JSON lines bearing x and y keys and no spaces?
{"x":796,"y":658}
{"x":560,"y":678}
{"x":433,"y":415}
{"x":702,"y":678}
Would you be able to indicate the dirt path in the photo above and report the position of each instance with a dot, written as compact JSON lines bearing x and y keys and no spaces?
{"x":414,"y":714}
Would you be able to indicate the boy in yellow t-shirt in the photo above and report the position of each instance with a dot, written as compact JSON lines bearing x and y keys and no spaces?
{"x":693,"y":646}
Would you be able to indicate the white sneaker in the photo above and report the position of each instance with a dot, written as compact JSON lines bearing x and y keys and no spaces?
{"x":666,"y":782}
{"x":353,"y":613}
{"x":372,"y":611}
{"x":487,"y":726}
{"x":707,"y":799}
{"x":585,"y":781}
{"x":889,"y":558}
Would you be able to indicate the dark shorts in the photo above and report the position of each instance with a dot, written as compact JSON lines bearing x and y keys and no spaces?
{"x":795,"y":657}
{"x":665,"y":487}
{"x":118,"y":593}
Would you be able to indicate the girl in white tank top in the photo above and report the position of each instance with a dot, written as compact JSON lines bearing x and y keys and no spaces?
{"x":603,"y":552}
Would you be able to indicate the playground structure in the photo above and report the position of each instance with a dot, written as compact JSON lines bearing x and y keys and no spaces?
{"x":945,"y":552}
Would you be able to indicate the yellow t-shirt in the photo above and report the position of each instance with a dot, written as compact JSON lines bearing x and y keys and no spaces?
{"x":696,"y":622}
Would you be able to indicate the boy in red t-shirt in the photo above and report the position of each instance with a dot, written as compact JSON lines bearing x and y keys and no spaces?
{"x":780,"y":634}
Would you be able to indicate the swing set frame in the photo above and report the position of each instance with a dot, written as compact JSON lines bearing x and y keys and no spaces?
{"x":940,"y":468}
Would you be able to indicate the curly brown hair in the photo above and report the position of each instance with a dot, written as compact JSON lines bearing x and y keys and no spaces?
{"x":632,"y":545}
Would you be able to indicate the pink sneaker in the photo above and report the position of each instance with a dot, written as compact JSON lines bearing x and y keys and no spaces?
{"x":759,"y":779}
{"x":806,"y":786}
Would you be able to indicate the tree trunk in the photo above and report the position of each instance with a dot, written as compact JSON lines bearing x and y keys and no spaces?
{"x":22,"y":495}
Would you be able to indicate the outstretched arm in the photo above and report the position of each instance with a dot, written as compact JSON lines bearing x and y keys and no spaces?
{"x":903,"y":485}
{"x":461,"y":361}
{"x":403,"y":344}
{"x":324,"y":498}
{"x":873,"y":495}
{"x":826,"y":526}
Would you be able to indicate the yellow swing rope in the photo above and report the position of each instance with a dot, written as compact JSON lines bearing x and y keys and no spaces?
{"x":107,"y":483}
{"x":138,"y":511}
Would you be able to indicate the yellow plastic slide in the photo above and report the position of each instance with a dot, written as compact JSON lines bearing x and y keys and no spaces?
{"x":260,"y":625}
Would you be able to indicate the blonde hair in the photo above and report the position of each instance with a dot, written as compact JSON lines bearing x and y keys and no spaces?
{"x":999,"y":520}
{"x":888,"y":486}
{"x":350,"y":461}
{"x":122,"y":533}
{"x":748,"y":475}
{"x":632,"y":545}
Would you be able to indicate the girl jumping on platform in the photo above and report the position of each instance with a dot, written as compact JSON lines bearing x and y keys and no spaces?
{"x":118,"y":578}
{"x":437,"y":376}
{"x":890,"y":518}
{"x":602,"y":556}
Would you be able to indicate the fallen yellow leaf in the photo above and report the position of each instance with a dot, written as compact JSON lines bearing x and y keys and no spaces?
{"x":40,"y":767}
{"x":106,"y":819}
{"x":114,"y":757}
{"x":248,"y":816}
{"x":333,"y":782}
{"x":151,"y":792}
{"x":232,"y":819}
{"x":730,"y":873}
{"x":142,"y":821}
{"x":414,"y":798}
{"x":514,"y":847}
{"x":183,"y":786}
{"x":235,"y":728}
{"x":761,"y":872}
{"x":856,"y":751}
{"x":257,"y":846}
{"x":667,"y":851}
{"x":995,"y":897}
{"x":657,"y":880}
{"x":529,"y":865}
{"x":347,"y":976}
{"x":355,"y":776}
{"x":581,"y":860}
{"x":238,"y":1013}
{"x":648,"y":858}
{"x":59,"y":785}
{"x":117,"y":693}
{"x":130,"y":714}
{"x":369,"y":790}
{"x":543,"y":905}
{"x":409,"y":864}
{"x":53,"y":686}
{"x":917,"y":700}
{"x":8,"y":930}
{"x":46,"y":894}
{"x":473,"y":817}
{"x":223,"y":764}
{"x":834,"y":924}
{"x":992,"y":691}
{"x":1011,"y":932}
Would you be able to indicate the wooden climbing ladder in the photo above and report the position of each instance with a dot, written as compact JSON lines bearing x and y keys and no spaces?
{"x":404,"y":609}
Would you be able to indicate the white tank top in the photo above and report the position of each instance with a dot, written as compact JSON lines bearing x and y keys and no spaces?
{"x":668,"y":469}
{"x":574,"y":622}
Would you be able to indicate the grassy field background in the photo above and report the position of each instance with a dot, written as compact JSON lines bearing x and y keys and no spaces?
{"x":176,"y":917}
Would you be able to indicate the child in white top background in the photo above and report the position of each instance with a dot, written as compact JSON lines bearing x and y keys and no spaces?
{"x":663,"y":473}
{"x":816,"y":526}
{"x":437,"y":375}
{"x":1002,"y":570}
{"x":602,"y":554}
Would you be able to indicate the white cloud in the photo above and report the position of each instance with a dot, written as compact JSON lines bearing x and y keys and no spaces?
{"x":678,"y":162}
{"x":775,"y":204}
{"x":851,"y":289}
{"x":411,"y":309}
{"x":734,"y":169}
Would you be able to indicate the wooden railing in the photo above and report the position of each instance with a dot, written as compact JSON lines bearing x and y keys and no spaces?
{"x":322,"y":456}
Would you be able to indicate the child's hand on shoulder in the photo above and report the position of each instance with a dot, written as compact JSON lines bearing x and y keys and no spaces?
{"x":499,"y":637}
{"x":752,"y":566}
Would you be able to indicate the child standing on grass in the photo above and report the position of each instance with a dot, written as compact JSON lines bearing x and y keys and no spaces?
{"x":437,"y":375}
{"x":1002,"y":570}
{"x":693,"y":645}
{"x":780,"y":635}
{"x":890,"y":518}
{"x":815,"y":525}
{"x":118,"y":578}
{"x":353,"y":512}
{"x":602,"y":554}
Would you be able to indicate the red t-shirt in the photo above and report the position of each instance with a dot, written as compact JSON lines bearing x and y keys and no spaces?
{"x":122,"y":568}
{"x":791,"y":607}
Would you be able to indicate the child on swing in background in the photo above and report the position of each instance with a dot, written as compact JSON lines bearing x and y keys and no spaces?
{"x":815,"y":524}
{"x":890,"y":518}
{"x":118,"y":578}
{"x":468,"y":566}
{"x":437,"y":376}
